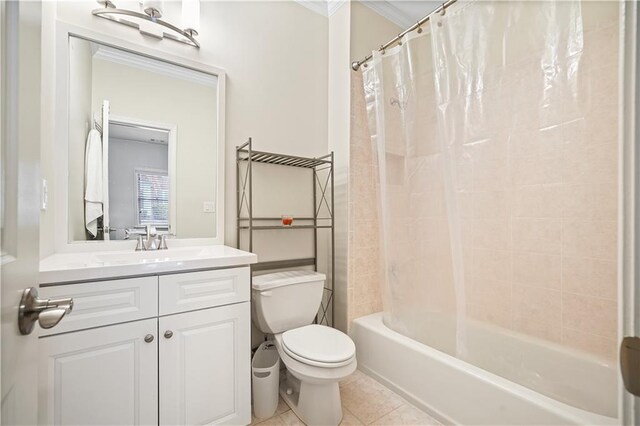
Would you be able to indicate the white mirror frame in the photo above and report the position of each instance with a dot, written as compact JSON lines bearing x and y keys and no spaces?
{"x":61,"y":151}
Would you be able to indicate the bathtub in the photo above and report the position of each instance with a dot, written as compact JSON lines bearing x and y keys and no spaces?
{"x":457,"y":392}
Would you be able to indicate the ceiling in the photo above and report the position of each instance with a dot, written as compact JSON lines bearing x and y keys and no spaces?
{"x":403,"y":13}
{"x":406,"y":12}
{"x":130,"y":132}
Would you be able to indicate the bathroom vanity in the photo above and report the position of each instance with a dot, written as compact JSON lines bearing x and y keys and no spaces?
{"x":157,"y":337}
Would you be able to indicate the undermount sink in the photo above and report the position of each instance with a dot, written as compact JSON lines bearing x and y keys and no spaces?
{"x":149,"y":256}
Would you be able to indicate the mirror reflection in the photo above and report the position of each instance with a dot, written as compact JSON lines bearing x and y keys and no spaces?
{"x":142,"y":146}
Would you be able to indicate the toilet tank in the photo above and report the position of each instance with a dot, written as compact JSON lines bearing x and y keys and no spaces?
{"x":285,"y":300}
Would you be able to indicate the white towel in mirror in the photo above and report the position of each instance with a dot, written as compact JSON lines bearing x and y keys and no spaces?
{"x":93,"y":182}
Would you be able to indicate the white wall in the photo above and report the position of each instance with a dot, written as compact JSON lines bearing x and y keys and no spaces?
{"x":369,"y":30}
{"x":276,"y":58}
{"x":339,"y":99}
{"x":125,"y":157}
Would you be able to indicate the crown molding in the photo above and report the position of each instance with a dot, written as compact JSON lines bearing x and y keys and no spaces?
{"x":334,"y":5}
{"x":167,"y":69}
{"x":325,"y":8}
{"x":317,"y":6}
{"x":389,"y":11}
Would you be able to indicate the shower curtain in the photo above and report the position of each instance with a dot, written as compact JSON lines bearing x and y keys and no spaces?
{"x":495,"y":129}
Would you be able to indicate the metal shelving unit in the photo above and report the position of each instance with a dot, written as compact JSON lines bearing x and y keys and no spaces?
{"x":323,"y":199}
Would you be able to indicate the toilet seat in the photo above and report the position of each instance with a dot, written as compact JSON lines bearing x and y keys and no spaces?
{"x":319,"y":345}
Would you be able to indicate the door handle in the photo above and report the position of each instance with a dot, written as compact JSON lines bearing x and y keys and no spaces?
{"x":48,"y":312}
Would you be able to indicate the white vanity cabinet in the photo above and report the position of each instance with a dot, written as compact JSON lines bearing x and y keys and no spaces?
{"x":106,"y":375}
{"x":203,"y":366}
{"x":164,"y":349}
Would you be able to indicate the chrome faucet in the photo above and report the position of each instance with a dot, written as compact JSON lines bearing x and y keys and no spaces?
{"x":149,"y":238}
{"x":150,"y":243}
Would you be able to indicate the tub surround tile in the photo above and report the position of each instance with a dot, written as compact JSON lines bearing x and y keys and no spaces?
{"x":590,"y":277}
{"x":591,"y":314}
{"x":537,"y":269}
{"x":538,"y":201}
{"x":594,"y":202}
{"x":591,"y":343}
{"x":538,"y":312}
{"x":540,"y":235}
{"x":590,"y":238}
{"x":364,"y":272}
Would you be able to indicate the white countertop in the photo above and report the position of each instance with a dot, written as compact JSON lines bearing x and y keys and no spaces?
{"x":65,"y":267}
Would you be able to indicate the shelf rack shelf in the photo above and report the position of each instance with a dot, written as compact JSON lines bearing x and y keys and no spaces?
{"x":323,"y":199}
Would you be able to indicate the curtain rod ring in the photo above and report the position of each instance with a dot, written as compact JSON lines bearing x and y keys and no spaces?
{"x":419,"y":27}
{"x":443,"y":12}
{"x":381,"y":49}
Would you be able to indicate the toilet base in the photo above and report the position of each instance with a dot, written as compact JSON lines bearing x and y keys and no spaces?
{"x":314,"y":404}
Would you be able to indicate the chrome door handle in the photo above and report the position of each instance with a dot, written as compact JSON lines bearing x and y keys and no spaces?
{"x":48,"y":312}
{"x":168,"y":334}
{"x":148,"y":338}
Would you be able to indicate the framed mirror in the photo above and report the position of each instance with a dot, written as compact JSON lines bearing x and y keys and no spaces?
{"x":144,"y":144}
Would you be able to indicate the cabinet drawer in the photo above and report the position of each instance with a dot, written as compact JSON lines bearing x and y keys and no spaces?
{"x":105,"y":302}
{"x":197,"y":290}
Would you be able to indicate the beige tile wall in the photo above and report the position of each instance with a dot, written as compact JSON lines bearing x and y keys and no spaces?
{"x":364,"y":273}
{"x":538,"y":208}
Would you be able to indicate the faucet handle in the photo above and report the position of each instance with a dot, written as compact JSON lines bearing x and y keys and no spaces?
{"x":140,"y":244}
{"x":163,"y":240}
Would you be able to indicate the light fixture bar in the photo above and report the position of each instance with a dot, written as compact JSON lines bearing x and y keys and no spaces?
{"x":112,"y":13}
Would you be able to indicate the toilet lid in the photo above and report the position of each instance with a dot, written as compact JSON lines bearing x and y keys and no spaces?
{"x":319,"y":343}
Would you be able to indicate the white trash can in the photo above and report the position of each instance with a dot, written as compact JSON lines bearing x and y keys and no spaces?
{"x":265,"y":378}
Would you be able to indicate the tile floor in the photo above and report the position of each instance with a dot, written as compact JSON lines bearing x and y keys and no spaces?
{"x":364,"y":402}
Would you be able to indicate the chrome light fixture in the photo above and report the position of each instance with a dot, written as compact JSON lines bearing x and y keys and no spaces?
{"x":150,"y":23}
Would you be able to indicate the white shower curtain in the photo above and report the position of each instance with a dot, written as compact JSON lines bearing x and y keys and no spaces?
{"x":479,"y":122}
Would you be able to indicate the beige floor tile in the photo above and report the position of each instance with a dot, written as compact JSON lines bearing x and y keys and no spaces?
{"x":368,"y":400}
{"x":364,"y":401}
{"x":352,"y":378}
{"x":289,"y":418}
{"x":282,"y":406}
{"x":273,"y":421}
{"x":349,"y":419}
{"x":406,"y":415}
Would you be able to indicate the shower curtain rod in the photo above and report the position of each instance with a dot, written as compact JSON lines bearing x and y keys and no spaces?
{"x":355,"y":65}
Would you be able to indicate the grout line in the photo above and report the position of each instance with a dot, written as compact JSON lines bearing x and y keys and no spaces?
{"x":384,"y":415}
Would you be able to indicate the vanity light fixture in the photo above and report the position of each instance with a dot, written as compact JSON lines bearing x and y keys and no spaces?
{"x":152,"y":14}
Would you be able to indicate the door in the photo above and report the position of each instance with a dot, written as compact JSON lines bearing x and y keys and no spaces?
{"x":630,"y":295}
{"x":106,"y":222}
{"x":205,"y":367}
{"x":107,"y":375}
{"x":19,"y":202}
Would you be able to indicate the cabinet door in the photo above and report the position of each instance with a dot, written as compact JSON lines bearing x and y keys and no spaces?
{"x":102,"y":376}
{"x":205,"y":367}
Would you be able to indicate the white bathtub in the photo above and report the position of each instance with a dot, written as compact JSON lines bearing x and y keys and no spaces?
{"x":460,"y":393}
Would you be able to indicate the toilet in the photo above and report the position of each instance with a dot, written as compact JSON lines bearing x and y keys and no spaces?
{"x":316,"y":357}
